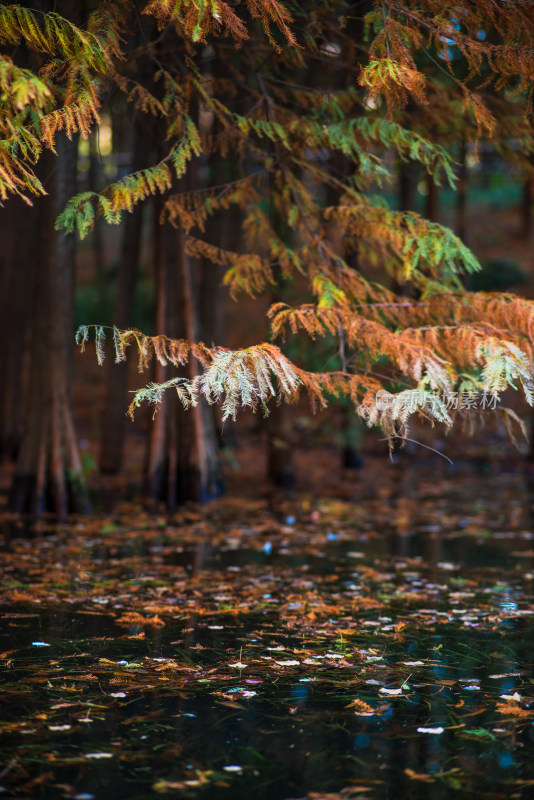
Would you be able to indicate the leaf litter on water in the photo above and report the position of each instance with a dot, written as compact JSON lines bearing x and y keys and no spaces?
{"x":352,"y":626}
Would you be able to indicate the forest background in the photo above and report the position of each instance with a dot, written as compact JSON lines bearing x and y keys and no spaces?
{"x":242,"y":169}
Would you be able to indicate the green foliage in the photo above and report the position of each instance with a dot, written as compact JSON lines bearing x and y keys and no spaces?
{"x":53,"y":35}
{"x":123,"y":195}
{"x":62,"y":96}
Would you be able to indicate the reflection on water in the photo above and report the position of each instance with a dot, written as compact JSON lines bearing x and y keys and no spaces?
{"x":362,"y":656}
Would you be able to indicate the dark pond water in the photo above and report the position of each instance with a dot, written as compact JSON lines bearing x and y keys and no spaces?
{"x":329,"y":650}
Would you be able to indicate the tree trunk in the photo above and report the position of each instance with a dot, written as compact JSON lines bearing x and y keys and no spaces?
{"x":461,"y":202}
{"x":17,"y":234}
{"x":96,"y":184}
{"x":432,"y":200}
{"x":183,"y":459}
{"x":280,"y":461}
{"x":280,"y":458}
{"x":222,"y":230}
{"x":407,"y":185}
{"x":526,"y":207}
{"x":113,"y":425}
{"x":49,"y":473}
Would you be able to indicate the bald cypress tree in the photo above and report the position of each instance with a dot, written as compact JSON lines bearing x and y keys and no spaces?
{"x":279,"y":108}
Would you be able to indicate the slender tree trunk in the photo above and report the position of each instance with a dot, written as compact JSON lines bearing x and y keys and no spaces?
{"x":407,"y":185}
{"x":157,"y":456}
{"x":183,"y":459}
{"x":96,"y":184}
{"x":432,"y":200}
{"x":198,"y":473}
{"x":280,"y":446}
{"x":280,"y":460}
{"x":222,"y":230}
{"x":113,"y":425}
{"x":18,"y":223}
{"x":281,"y":469}
{"x":461,"y":201}
{"x":526,"y":207}
{"x":350,"y":428}
{"x":49,"y":473}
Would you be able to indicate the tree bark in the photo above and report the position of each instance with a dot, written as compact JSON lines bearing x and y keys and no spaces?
{"x":526,"y":207}
{"x":96,"y":184}
{"x":183,"y":459}
{"x":280,"y":461}
{"x":17,"y":234}
{"x":49,"y":474}
{"x":461,"y":202}
{"x":407,"y":185}
{"x":113,"y":425}
{"x":432,"y":200}
{"x":280,"y":446}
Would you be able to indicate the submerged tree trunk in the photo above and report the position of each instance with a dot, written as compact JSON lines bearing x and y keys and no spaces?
{"x":183,"y":459}
{"x":114,"y":420}
{"x":49,"y":473}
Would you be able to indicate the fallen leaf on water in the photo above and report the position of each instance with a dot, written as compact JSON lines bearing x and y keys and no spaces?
{"x":383,"y":690}
{"x":513,"y":710}
{"x":436,"y":731}
{"x":133,"y":618}
{"x":169,"y":786}
{"x":361,"y":705}
{"x":507,"y":675}
{"x":418,"y":776}
{"x":97,"y":756}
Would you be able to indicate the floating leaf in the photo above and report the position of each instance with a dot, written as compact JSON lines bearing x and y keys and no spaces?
{"x":98,"y":756}
{"x":419,"y":776}
{"x":515,"y":696}
{"x":437,"y":731}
